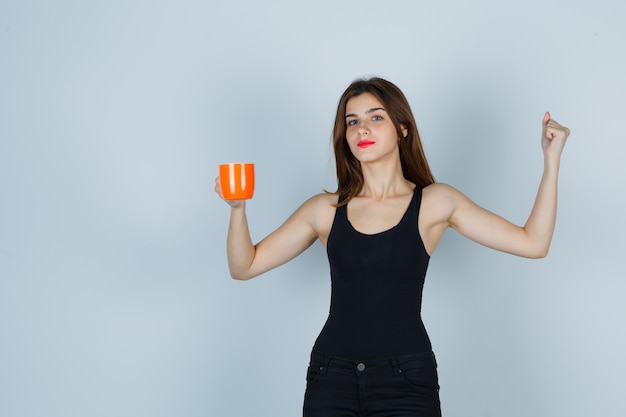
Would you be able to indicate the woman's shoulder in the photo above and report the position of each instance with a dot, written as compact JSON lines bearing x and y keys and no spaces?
{"x":319,"y":211}
{"x":322,"y":204}
{"x":322,"y":200}
{"x":439,"y":198}
{"x":434,"y":191}
{"x":438,"y":190}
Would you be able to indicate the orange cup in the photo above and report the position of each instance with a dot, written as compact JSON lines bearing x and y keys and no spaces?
{"x":237,"y":181}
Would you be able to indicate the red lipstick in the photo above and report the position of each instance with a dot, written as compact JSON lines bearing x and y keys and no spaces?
{"x":364,"y":143}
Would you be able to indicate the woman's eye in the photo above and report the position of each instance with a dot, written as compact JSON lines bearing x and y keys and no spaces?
{"x":377,"y":117}
{"x":351,"y":122}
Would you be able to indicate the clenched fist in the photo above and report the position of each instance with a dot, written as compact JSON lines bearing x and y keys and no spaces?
{"x":553,"y":137}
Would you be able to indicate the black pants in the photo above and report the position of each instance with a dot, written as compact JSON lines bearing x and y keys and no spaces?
{"x":405,"y":386}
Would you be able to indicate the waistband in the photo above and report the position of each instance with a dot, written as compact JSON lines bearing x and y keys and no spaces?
{"x":414,"y":359}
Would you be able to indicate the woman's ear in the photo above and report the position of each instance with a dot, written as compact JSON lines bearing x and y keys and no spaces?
{"x":404,"y":130}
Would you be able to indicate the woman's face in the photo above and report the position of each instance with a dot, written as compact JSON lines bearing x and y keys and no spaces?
{"x":370,"y":133}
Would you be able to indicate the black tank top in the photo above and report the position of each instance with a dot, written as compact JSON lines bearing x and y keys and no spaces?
{"x":376,"y":296}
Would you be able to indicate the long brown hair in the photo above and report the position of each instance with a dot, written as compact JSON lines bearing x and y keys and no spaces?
{"x":414,"y":164}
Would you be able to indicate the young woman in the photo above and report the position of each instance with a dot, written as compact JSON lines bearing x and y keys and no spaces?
{"x":373,"y":357}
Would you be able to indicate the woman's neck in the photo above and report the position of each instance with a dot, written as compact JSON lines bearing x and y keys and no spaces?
{"x":381,"y":180}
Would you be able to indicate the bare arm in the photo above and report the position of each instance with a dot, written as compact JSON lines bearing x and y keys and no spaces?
{"x":531,"y":240}
{"x":247,"y":260}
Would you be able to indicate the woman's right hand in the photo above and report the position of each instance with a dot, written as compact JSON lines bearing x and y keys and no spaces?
{"x":232,"y":203}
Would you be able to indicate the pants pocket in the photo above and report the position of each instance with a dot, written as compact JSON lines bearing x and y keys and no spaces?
{"x":420,"y":373}
{"x":317,"y":366}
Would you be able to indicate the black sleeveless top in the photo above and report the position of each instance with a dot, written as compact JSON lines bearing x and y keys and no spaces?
{"x":377,"y":282}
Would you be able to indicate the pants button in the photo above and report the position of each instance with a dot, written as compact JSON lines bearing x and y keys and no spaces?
{"x":360,"y":367}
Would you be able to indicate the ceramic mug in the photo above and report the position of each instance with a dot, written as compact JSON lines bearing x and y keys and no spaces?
{"x":237,"y":181}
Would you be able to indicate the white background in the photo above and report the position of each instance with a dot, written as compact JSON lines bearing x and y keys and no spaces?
{"x":115,"y":299}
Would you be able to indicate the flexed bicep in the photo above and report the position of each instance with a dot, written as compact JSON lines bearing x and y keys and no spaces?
{"x":491,"y":230}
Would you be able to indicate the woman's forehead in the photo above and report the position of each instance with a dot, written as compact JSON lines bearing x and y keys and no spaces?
{"x":363,"y":102}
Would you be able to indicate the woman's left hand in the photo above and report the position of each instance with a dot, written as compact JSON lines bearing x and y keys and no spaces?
{"x":553,"y":136}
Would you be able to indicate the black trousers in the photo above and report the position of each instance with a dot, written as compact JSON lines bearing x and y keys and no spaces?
{"x":405,"y":386}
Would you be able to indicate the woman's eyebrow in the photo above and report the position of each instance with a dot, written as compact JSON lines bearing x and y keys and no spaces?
{"x":372,"y":110}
